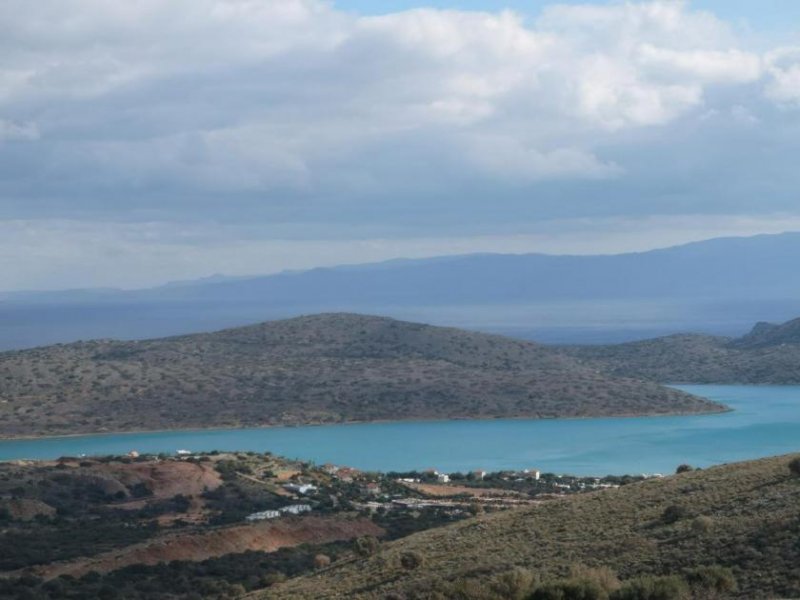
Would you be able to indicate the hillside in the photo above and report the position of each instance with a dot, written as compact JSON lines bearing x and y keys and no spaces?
{"x":154,"y":528}
{"x":718,"y":286}
{"x":769,"y":354}
{"x":317,"y":369}
{"x":740,"y":516}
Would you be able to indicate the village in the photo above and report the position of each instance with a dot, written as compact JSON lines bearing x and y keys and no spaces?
{"x":256,"y":487}
{"x":278,"y":517}
{"x":303,"y":487}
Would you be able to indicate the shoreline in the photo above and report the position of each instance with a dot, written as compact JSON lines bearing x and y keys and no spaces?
{"x":39,"y":438}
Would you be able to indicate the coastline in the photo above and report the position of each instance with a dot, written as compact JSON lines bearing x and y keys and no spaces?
{"x":33,"y":438}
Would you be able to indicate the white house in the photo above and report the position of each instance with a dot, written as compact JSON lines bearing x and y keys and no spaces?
{"x":443,"y":478}
{"x":296,"y":509}
{"x":300,"y":488}
{"x":263,"y":515}
{"x":533,"y":473}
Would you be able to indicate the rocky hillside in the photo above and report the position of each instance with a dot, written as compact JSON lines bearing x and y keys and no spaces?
{"x":741,"y":518}
{"x":316,"y":369}
{"x":150,"y":528}
{"x":769,"y":334}
{"x":769,"y":354}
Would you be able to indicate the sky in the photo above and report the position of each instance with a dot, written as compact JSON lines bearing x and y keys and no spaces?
{"x":150,"y":141}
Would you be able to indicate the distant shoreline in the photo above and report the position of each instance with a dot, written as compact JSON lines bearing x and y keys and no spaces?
{"x":33,"y":438}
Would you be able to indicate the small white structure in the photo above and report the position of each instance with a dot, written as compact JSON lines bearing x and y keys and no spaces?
{"x":479,"y":474}
{"x":183,"y":452}
{"x":296,"y":509}
{"x":443,"y":478}
{"x":533,"y":473}
{"x":263,"y":515}
{"x":300,"y":488}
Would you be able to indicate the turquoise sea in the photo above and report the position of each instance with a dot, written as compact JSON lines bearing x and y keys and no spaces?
{"x":765,"y":421}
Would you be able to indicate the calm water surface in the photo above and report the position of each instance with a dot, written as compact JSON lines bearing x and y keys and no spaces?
{"x":765,"y":422}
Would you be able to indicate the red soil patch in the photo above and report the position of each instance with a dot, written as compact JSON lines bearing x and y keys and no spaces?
{"x":22,"y":509}
{"x":166,"y":479}
{"x":442,"y":490}
{"x":265,"y":537}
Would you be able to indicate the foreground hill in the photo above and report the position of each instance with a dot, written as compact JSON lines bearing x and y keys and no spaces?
{"x":324,"y":368}
{"x":742,"y":517}
{"x":717,"y":286}
{"x":769,"y":354}
{"x":150,"y":528}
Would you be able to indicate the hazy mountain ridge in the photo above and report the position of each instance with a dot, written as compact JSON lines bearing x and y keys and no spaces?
{"x":769,"y":354}
{"x":315,"y":369}
{"x":718,"y":286}
{"x":769,"y":334}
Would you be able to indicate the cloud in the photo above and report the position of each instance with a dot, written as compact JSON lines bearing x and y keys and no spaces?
{"x":704,"y":66}
{"x":784,"y":69}
{"x":234,"y":96}
{"x":11,"y":131}
{"x":294,"y":115}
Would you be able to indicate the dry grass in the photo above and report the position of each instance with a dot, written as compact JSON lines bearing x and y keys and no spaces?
{"x":751,"y":514}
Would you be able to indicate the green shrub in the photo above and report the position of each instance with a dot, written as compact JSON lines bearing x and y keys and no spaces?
{"x":514,"y":585}
{"x":570,"y":589}
{"x":794,"y":466}
{"x":684,"y":468}
{"x":711,"y":582}
{"x":702,"y":524}
{"x":411,"y":560}
{"x":602,"y":576}
{"x":653,"y":588}
{"x":366,"y":545}
{"x":321,"y":561}
{"x":674,"y":513}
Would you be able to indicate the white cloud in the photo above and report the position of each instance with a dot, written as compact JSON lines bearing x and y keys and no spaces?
{"x":703,"y":66}
{"x":784,"y":69}
{"x":290,"y":113}
{"x":506,"y":157}
{"x":11,"y":131}
{"x":237,"y":95}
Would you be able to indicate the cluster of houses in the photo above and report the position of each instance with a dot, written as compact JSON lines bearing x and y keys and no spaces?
{"x":346,"y":474}
{"x":292,"y":509}
{"x":477,"y":475}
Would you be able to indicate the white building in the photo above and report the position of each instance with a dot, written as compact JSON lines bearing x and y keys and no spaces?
{"x":533,"y":473}
{"x":296,"y":509}
{"x":300,"y":488}
{"x":263,"y":515}
{"x":443,"y":478}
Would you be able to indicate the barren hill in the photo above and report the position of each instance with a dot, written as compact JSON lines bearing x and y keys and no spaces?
{"x":315,"y":369}
{"x":741,"y":517}
{"x":769,"y":354}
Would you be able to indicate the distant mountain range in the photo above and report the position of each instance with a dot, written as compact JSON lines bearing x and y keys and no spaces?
{"x":319,"y":369}
{"x":718,"y":286}
{"x":769,"y":354}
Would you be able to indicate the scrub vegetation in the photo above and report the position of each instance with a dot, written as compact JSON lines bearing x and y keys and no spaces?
{"x":640,"y":541}
{"x":319,"y":369}
{"x":769,"y":354}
